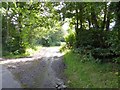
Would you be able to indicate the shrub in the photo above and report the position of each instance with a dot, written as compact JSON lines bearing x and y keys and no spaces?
{"x":114,"y":42}
{"x":63,"y":48}
{"x":85,"y":38}
{"x":13,"y":46}
{"x":70,"y":40}
{"x":45,"y":42}
{"x":104,"y":45}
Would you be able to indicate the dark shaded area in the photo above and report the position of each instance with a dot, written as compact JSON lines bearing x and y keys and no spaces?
{"x":98,"y":38}
{"x":100,"y":44}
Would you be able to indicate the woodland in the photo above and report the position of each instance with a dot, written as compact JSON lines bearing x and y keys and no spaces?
{"x":94,"y":27}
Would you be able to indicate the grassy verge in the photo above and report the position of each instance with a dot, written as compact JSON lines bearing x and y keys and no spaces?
{"x":29,"y":52}
{"x":83,"y":72}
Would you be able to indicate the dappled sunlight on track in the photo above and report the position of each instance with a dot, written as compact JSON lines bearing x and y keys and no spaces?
{"x":35,"y":57}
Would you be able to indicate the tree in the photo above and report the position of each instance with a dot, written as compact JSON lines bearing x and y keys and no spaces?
{"x":23,"y":24}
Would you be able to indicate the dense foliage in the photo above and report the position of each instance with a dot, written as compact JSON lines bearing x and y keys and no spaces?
{"x":96,"y":28}
{"x":27,"y":23}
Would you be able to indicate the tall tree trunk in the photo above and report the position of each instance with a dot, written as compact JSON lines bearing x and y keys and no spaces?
{"x":111,"y":9}
{"x":118,"y":18}
{"x":108,"y":21}
{"x":105,"y":14}
{"x":76,"y":18}
{"x":89,"y":22}
{"x":94,"y":19}
{"x":81,"y":15}
{"x":76,"y":28}
{"x":7,"y":22}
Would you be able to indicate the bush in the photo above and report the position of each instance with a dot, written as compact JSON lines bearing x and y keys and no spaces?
{"x":104,"y":45}
{"x":93,"y":38}
{"x":45,"y":42}
{"x":63,"y":48}
{"x":13,"y":46}
{"x":114,"y":42}
{"x":85,"y":38}
{"x":70,"y":40}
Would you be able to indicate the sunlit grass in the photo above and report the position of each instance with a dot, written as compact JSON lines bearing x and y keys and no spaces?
{"x":31,"y":51}
{"x":89,"y":74}
{"x":10,"y":56}
{"x":28,"y":53}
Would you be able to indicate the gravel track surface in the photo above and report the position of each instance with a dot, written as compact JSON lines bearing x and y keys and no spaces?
{"x":43,"y":70}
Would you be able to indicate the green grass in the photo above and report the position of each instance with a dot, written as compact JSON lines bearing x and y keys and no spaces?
{"x":83,"y":72}
{"x":28,"y":53}
{"x":10,"y":56}
{"x":31,"y":51}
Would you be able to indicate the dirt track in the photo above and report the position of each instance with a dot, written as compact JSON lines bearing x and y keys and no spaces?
{"x":43,"y":70}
